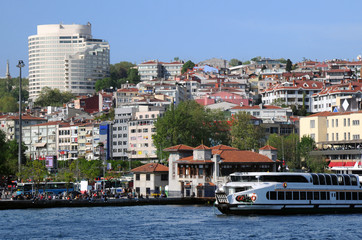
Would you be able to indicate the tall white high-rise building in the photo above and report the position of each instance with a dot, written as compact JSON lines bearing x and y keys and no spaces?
{"x":66,"y":57}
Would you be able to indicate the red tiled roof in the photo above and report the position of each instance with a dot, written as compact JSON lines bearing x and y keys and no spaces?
{"x":267,"y":147}
{"x":244,"y":156}
{"x":151,"y":167}
{"x":326,"y":114}
{"x":180,"y":147}
{"x":351,"y":87}
{"x":127,"y":90}
{"x":223,"y":147}
{"x":296,"y":84}
{"x":202,"y":147}
{"x":257,"y":107}
{"x":23,"y":117}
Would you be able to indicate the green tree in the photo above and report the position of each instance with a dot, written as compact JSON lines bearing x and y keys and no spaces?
{"x":306,"y":145}
{"x":132,"y":76}
{"x":88,"y":170}
{"x":289,"y":65}
{"x":234,"y":62}
{"x":187,"y":65}
{"x":255,"y":59}
{"x":244,"y":134}
{"x":34,"y":170}
{"x":246,"y":62}
{"x":105,"y":83}
{"x":119,"y":70}
{"x":190,"y":124}
{"x":8,"y":103}
{"x":65,"y":175}
{"x":288,"y":149}
{"x":53,"y":97}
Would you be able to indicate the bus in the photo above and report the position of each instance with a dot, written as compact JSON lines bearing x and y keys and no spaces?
{"x":48,"y":187}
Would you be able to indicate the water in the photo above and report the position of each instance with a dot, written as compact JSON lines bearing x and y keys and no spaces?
{"x":170,"y":222}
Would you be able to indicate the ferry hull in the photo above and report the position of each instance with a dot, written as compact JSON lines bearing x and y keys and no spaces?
{"x":264,"y":209}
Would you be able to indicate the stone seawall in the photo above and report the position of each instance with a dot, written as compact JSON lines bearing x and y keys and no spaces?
{"x":23,"y":204}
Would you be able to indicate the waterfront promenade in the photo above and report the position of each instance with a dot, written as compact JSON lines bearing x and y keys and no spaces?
{"x":23,"y":204}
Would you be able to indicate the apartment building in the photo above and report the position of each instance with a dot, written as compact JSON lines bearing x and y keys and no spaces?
{"x":154,"y":69}
{"x":123,"y":115}
{"x":10,"y":124}
{"x":341,"y":97}
{"x":141,"y":130}
{"x":296,"y":92}
{"x":41,"y":140}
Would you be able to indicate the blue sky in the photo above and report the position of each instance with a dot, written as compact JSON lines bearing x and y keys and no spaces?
{"x":195,"y":30}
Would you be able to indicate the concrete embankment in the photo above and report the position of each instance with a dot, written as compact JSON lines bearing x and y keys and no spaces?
{"x":23,"y":204}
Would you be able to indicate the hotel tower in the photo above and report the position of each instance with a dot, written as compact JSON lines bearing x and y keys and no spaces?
{"x":66,"y":57}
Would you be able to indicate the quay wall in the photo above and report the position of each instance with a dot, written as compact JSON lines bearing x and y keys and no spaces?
{"x":24,"y":204}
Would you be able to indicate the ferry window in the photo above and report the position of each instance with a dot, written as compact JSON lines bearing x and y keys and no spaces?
{"x":316,"y":195}
{"x":340,"y":179}
{"x":322,"y":180}
{"x":348,"y":196}
{"x":315,"y":179}
{"x":347,"y":180}
{"x":342,"y":196}
{"x":354,"y":196}
{"x":288,"y":195}
{"x":334,"y":180}
{"x":328,"y":196}
{"x":354,"y":180}
{"x":303,"y":195}
{"x":309,"y":196}
{"x":280,"y":195}
{"x":360,"y":195}
{"x":267,"y":195}
{"x":328,"y":179}
{"x":295,"y":195}
{"x":273,"y":195}
{"x":323,"y":195}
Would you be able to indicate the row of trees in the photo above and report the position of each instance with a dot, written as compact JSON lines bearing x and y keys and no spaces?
{"x":191,"y":124}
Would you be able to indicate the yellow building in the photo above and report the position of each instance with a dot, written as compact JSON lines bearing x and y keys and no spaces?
{"x":331,"y":129}
{"x":338,"y":139}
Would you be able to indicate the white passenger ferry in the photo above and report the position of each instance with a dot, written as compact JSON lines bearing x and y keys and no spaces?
{"x":289,"y":193}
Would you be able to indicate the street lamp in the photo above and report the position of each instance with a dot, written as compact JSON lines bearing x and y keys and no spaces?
{"x":20,"y":65}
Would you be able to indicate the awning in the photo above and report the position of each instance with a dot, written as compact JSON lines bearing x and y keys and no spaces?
{"x":40,"y":145}
{"x":343,"y":164}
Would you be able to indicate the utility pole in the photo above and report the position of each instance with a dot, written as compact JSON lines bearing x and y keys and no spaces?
{"x":20,"y":65}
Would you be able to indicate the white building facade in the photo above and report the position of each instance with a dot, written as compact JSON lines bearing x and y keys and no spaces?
{"x":66,"y":57}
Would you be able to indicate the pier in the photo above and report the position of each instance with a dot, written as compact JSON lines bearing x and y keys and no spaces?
{"x":24,"y":204}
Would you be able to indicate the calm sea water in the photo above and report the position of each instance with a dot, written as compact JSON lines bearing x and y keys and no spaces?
{"x":170,"y":222}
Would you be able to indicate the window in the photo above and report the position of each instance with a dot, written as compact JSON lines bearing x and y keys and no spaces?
{"x":148,"y":177}
{"x":303,"y":195}
{"x":148,"y":191}
{"x":138,"y":176}
{"x":312,"y":123}
{"x":280,"y":195}
{"x":336,"y":122}
{"x":295,"y":195}
{"x":344,"y":122}
{"x":288,"y":195}
{"x":273,"y":195}
{"x":164,"y":177}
